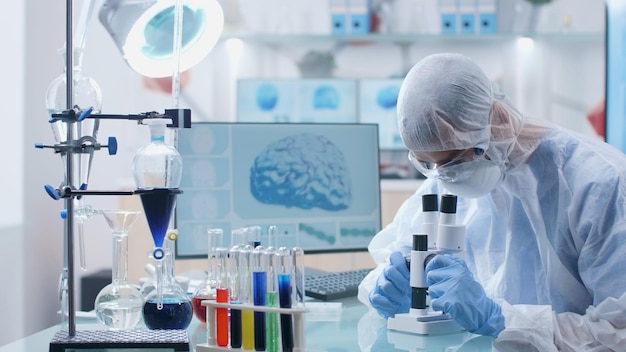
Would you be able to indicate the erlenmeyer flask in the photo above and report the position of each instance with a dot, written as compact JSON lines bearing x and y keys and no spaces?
{"x":167,"y":306}
{"x":119,"y":305}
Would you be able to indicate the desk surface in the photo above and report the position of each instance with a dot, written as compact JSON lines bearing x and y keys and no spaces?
{"x":351,"y":329}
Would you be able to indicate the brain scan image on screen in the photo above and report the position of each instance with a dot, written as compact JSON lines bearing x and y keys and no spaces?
{"x":305,"y":171}
{"x":317,"y":183}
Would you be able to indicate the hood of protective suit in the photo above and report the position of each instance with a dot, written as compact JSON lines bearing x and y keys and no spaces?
{"x":446,"y":102}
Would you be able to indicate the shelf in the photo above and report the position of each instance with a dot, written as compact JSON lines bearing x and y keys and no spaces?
{"x":408,"y":39}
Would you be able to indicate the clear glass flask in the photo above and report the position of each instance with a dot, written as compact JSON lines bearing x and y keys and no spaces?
{"x":86,"y":93}
{"x":157,"y":165}
{"x":119,"y":305}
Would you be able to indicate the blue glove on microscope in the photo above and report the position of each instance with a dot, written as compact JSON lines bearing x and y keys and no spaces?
{"x":453,"y":290}
{"x":392,"y":293}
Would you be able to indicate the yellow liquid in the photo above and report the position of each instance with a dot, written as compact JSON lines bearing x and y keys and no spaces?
{"x":247,"y":329}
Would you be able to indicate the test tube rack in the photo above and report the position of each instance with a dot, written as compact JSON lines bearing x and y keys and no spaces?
{"x":211,"y":345}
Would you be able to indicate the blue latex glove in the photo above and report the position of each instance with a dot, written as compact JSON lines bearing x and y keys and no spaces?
{"x":453,"y":290}
{"x":392,"y":293}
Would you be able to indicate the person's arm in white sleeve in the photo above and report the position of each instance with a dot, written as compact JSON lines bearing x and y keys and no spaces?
{"x":538,"y":328}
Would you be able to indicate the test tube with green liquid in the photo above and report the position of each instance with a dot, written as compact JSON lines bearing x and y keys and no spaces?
{"x":271,"y":294}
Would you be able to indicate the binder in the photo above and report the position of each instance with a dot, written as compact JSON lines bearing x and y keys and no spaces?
{"x":339,"y":16}
{"x":487,"y":16}
{"x":359,"y":12}
{"x":448,"y":11}
{"x":467,"y":16}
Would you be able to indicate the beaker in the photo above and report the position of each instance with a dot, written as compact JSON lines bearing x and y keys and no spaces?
{"x":119,"y":305}
{"x":207,"y":290}
{"x":167,"y":305}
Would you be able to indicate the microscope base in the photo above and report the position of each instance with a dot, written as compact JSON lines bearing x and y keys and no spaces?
{"x":423,"y":325}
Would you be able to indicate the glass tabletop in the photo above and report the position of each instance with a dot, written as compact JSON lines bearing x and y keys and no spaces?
{"x":342,"y":325}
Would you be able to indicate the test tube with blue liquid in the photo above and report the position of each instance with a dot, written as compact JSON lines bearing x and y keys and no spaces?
{"x":259,"y":289}
{"x":283,"y":264}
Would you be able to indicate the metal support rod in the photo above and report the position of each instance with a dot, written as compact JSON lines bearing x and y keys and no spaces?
{"x":69,"y":203}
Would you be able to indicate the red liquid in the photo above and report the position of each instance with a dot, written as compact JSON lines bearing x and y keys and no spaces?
{"x":198,"y":309}
{"x":222,"y":318}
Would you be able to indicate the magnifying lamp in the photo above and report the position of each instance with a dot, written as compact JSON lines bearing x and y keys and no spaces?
{"x":143,"y":32}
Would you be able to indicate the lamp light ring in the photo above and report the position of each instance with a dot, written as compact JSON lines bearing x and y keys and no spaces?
{"x":143,"y":32}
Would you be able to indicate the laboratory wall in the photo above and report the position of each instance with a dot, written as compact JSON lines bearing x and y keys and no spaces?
{"x":539,"y":80}
{"x":11,"y":208}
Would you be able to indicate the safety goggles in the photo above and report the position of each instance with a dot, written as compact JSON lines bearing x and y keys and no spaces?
{"x":456,"y":169}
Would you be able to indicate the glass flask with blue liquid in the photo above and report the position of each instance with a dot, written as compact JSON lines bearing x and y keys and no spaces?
{"x":167,"y":306}
{"x":157,"y":169}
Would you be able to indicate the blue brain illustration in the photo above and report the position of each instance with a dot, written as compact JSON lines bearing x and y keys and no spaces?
{"x":326,"y":97}
{"x":266,"y":96}
{"x":387,"y":97}
{"x":305,"y":171}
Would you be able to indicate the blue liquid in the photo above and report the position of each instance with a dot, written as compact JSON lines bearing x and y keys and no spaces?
{"x":176,"y":314}
{"x":259,"y":284}
{"x":284,"y":299}
{"x":157,"y":205}
{"x":235,"y":328}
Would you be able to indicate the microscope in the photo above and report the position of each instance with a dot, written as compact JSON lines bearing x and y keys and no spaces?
{"x":440,"y":235}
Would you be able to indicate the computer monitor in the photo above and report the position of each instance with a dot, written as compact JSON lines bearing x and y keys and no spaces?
{"x":318,"y":183}
{"x":615,"y":104}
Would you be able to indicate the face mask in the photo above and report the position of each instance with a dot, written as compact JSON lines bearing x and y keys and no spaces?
{"x":483,"y":179}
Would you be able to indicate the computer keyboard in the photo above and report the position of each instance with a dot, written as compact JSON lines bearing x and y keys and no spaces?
{"x":329,"y":286}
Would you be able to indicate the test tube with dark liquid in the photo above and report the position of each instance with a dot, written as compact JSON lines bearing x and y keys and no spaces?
{"x":259,"y":289}
{"x":283,"y":265}
{"x":235,"y":297}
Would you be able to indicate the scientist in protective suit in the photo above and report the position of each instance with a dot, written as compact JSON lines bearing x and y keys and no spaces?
{"x":545,"y":216}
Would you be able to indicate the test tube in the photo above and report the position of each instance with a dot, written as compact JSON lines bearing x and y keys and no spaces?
{"x":245,"y":294}
{"x":271,"y":300}
{"x":298,"y":296}
{"x":235,"y":296}
{"x":222,"y":296}
{"x":284,"y":267}
{"x":259,"y":289}
{"x":254,"y":235}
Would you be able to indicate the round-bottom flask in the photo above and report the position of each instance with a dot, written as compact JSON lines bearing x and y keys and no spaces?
{"x":207,"y":290}
{"x":167,"y":307}
{"x":118,"y":305}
